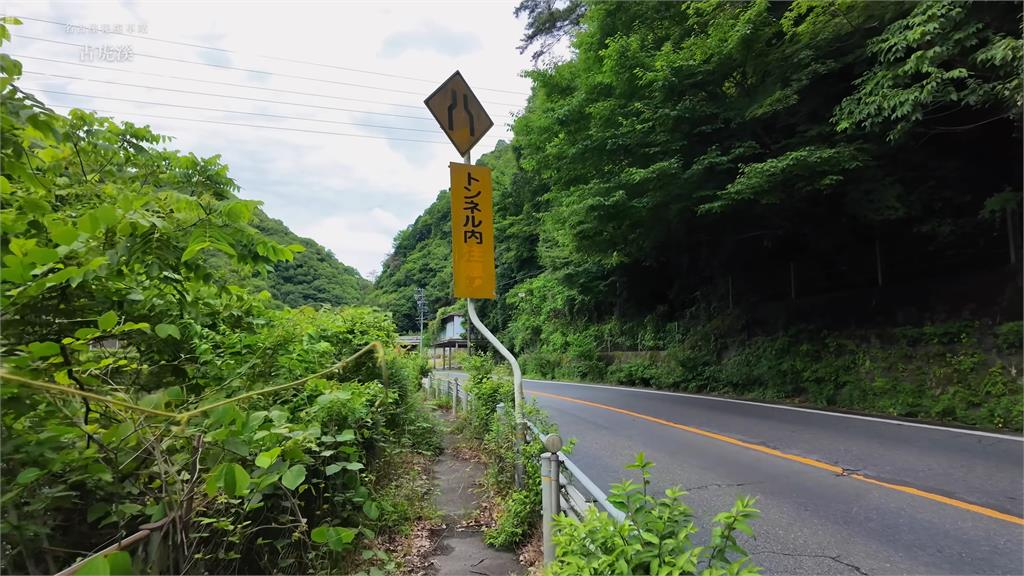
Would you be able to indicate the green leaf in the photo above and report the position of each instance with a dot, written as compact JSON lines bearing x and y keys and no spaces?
{"x":353,"y":465}
{"x":333,"y":536}
{"x":107,"y":321}
{"x":332,"y":469}
{"x":86,"y":333}
{"x":265,"y":459}
{"x":120,"y":563}
{"x":744,"y":528}
{"x":345,"y":436}
{"x":20,"y":246}
{"x":165,"y":330}
{"x":28,"y":475}
{"x":236,"y":480}
{"x":43,"y":256}
{"x":232,"y":478}
{"x":129,"y":508}
{"x":194,"y":249}
{"x":96,"y":510}
{"x":43,"y":349}
{"x":294,"y":476}
{"x":106,"y":215}
{"x":371,"y":510}
{"x":35,"y":206}
{"x":319,"y":534}
{"x":95,"y":566}
{"x":129,"y":326}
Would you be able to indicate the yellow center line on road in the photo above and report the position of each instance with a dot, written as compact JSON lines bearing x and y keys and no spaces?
{"x":800,"y":459}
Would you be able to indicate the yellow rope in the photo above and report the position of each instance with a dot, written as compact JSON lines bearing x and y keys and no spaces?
{"x":183,"y":417}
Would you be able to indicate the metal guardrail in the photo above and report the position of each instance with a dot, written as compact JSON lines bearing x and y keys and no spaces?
{"x":448,"y":388}
{"x":577,"y":492}
{"x":565,"y":489}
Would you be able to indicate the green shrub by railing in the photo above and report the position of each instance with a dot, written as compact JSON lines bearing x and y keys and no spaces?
{"x":656,"y":537}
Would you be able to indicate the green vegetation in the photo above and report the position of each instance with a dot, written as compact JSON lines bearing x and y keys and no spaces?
{"x":518,"y":510}
{"x":313,"y":276}
{"x":772,"y":199}
{"x":143,"y":382}
{"x":656,"y":537}
{"x":958,"y":371}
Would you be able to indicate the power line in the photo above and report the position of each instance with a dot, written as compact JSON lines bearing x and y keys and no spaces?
{"x":253,"y":70}
{"x":279,"y":58}
{"x":263,"y":100}
{"x":188,"y":79}
{"x":257,"y":126}
{"x":434,"y":131}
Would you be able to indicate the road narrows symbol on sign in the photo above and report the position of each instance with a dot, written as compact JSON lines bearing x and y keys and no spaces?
{"x":459,"y":113}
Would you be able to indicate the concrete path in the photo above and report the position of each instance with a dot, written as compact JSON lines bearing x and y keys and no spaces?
{"x":460,"y":549}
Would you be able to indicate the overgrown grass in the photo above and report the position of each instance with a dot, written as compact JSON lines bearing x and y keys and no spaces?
{"x":518,"y":510}
{"x":963,"y":372}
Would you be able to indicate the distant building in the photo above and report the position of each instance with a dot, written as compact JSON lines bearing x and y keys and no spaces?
{"x":409,"y":342}
{"x":453,"y":335}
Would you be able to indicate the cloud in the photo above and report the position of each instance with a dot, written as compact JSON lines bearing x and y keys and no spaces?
{"x":358,"y":239}
{"x":349,"y":193}
{"x":434,"y":38}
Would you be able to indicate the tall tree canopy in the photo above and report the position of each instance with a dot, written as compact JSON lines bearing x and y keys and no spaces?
{"x":688,"y":153}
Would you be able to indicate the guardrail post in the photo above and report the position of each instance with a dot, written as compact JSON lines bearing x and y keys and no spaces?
{"x":556,"y":484}
{"x":550,"y":492}
{"x":455,"y":397}
{"x":547,"y":515}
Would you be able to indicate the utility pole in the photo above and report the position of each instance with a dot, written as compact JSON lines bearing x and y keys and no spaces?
{"x":421,"y":305}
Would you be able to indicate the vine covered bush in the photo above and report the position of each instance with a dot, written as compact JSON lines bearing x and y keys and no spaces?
{"x":143,"y":383}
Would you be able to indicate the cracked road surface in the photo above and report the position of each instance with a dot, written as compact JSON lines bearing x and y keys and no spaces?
{"x":838,"y":494}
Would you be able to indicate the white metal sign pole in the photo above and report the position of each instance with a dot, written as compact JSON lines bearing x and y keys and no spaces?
{"x":517,"y":373}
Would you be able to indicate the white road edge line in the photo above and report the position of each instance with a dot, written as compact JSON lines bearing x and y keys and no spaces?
{"x":783,"y":407}
{"x":824,"y":412}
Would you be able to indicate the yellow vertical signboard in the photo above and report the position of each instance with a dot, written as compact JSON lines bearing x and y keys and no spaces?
{"x":472,"y":231}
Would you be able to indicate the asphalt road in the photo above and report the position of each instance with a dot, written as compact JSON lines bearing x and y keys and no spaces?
{"x":839,"y":494}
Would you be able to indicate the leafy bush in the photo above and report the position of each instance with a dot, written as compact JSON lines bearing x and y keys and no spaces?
{"x":635,"y":373}
{"x":540,"y":364}
{"x":655,"y":538}
{"x":125,"y":276}
{"x":517,"y":519}
{"x":518,"y":509}
{"x":1010,"y":336}
{"x":937,"y":371}
{"x":488,"y":389}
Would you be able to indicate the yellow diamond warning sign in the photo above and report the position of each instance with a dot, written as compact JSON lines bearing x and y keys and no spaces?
{"x":472,"y":232}
{"x":459,"y":113}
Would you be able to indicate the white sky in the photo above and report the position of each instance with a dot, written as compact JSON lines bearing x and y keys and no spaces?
{"x":350,"y":194}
